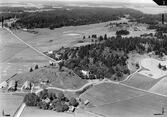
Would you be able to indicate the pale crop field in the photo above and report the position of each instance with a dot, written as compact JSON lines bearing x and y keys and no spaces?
{"x":141,"y":81}
{"x":9,"y":103}
{"x":15,"y":57}
{"x":35,"y":112}
{"x":109,"y":93}
{"x":160,"y":87}
{"x":152,"y":66}
{"x":141,"y":106}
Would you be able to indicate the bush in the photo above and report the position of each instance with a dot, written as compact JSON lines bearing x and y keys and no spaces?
{"x":60,"y":107}
{"x":31,"y":70}
{"x":122,"y":32}
{"x":31,"y":99}
{"x":36,"y":66}
{"x":61,"y":96}
{"x":44,"y":94}
{"x":73,"y":102}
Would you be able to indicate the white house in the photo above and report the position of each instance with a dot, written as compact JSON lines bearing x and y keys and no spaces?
{"x":71,"y":108}
{"x":50,"y":52}
{"x":25,"y":29}
{"x":85,"y":73}
{"x":47,"y":100}
{"x":27,"y":85}
{"x":3,"y":84}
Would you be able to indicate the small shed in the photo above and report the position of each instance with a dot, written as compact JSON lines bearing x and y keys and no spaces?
{"x":86,"y":102}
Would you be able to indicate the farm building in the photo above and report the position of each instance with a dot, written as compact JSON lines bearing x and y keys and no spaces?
{"x":51,"y":63}
{"x":44,"y":82}
{"x":12,"y":85}
{"x":85,"y":73}
{"x":3,"y":84}
{"x":27,"y":85}
{"x":50,"y":52}
{"x":71,"y":109}
{"x":86,"y":102}
{"x":47,"y":100}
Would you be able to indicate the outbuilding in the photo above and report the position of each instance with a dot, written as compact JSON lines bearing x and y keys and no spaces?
{"x":12,"y":85}
{"x":27,"y":85}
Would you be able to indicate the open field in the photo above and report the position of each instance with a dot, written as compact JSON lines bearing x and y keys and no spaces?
{"x":160,"y":87}
{"x":152,"y":66}
{"x":140,"y":81}
{"x":46,"y":39}
{"x":141,"y":106}
{"x":9,"y":103}
{"x":35,"y":112}
{"x":15,"y":57}
{"x":109,"y":93}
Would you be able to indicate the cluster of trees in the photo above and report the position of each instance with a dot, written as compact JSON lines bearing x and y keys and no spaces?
{"x":122,"y":32}
{"x":160,"y":30}
{"x":36,"y":67}
{"x":50,"y":101}
{"x":163,"y":67}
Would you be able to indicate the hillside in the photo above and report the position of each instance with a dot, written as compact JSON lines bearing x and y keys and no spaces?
{"x":59,"y":17}
{"x":62,"y":79}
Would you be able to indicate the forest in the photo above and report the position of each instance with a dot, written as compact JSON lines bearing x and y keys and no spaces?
{"x":107,"y":58}
{"x":76,"y":16}
{"x":59,"y":17}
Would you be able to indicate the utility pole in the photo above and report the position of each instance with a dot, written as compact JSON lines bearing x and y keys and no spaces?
{"x":164,"y":2}
{"x":162,"y":18}
{"x":2,"y":21}
{"x":161,"y":3}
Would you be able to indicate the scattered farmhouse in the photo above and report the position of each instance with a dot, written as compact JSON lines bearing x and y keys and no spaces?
{"x":27,"y":85}
{"x":85,"y":73}
{"x":71,"y":109}
{"x":12,"y":85}
{"x":3,"y":84}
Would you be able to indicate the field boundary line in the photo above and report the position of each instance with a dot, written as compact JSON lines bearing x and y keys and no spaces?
{"x":143,"y":90}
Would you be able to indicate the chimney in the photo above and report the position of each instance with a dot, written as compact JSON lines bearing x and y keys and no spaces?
{"x":162,"y":18}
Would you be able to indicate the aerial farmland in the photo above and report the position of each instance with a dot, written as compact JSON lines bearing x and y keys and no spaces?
{"x":83,"y":59}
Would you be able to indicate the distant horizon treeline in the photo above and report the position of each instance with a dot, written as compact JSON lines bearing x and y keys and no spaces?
{"x":59,"y":17}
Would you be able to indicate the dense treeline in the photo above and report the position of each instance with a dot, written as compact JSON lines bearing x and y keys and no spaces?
{"x":50,"y":101}
{"x":76,"y":16}
{"x":15,"y":9}
{"x":59,"y":17}
{"x":122,"y":32}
